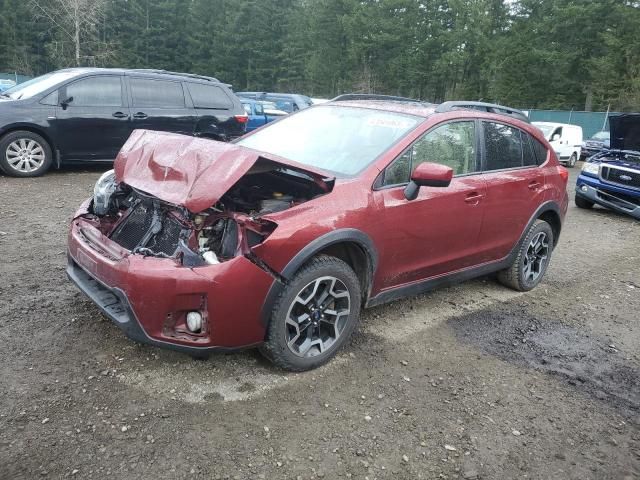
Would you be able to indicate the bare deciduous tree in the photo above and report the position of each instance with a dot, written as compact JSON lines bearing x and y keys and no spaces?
{"x":77,"y":20}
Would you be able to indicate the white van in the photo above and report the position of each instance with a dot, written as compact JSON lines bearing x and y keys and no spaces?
{"x":565,"y":139}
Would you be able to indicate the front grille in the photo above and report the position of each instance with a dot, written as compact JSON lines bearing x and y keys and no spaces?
{"x":132,"y":230}
{"x":619,"y":176}
{"x":136,"y":230}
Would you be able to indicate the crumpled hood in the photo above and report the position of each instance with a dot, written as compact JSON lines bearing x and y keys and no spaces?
{"x":188,"y":171}
{"x":625,"y":132}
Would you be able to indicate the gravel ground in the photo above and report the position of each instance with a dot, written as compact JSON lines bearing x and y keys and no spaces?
{"x":472,"y":381}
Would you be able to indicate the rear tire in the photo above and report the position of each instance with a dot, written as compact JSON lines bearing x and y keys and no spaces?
{"x":314,"y":315}
{"x":24,"y":154}
{"x":531,"y":263}
{"x":572,"y":160}
{"x":583,"y":202}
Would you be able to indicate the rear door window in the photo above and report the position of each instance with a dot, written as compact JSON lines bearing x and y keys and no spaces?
{"x":102,"y":91}
{"x":147,"y":92}
{"x":209,"y":96}
{"x":503,"y":146}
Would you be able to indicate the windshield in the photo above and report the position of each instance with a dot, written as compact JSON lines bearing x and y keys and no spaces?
{"x":546,"y":129}
{"x":342,"y":140}
{"x":601,"y":136}
{"x":39,"y":84}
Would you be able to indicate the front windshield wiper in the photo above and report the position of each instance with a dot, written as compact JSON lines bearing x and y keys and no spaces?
{"x":2,"y":94}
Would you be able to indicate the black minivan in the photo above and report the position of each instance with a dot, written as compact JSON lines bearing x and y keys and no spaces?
{"x":86,"y":114}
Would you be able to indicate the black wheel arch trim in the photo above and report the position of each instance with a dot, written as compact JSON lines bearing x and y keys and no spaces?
{"x":345,"y":235}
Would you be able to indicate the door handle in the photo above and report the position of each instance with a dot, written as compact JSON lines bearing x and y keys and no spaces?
{"x":140,"y":115}
{"x":473,"y":198}
{"x":120,"y":115}
{"x":534,"y":185}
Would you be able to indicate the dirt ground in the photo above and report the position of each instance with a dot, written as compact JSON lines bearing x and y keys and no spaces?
{"x":472,"y":381}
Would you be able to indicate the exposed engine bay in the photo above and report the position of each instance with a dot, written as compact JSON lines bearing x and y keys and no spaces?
{"x":148,"y":226}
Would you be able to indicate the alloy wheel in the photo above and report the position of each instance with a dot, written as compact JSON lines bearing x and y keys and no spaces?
{"x":317,"y":316}
{"x":25,"y":155}
{"x":536,"y":257}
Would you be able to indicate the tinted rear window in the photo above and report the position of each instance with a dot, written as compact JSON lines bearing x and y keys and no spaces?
{"x":156,"y":93}
{"x":209,"y":96}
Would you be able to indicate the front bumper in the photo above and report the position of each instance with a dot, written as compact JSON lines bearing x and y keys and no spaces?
{"x":615,"y":198}
{"x":148,"y":298}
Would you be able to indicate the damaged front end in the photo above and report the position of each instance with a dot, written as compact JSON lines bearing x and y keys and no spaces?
{"x":148,"y":226}
{"x":164,"y":246}
{"x":196,"y":201}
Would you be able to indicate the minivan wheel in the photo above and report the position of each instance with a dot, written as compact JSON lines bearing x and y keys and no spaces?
{"x":314,"y":315}
{"x":532,"y":260}
{"x":24,"y":154}
{"x":572,"y":160}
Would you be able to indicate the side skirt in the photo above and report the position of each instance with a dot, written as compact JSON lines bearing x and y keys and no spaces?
{"x":423,"y":286}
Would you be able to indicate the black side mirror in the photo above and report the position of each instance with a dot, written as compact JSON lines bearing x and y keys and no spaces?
{"x":65,"y":103}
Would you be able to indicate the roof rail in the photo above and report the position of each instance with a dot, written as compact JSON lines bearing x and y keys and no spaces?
{"x":167,"y":72}
{"x":482,"y":106}
{"x":370,"y":96}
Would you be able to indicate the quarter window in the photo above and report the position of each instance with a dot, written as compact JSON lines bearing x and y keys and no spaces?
{"x":540,"y":151}
{"x":452,"y":144}
{"x":528,"y":155}
{"x":104,"y":91}
{"x":208,"y":96}
{"x":503,"y":146}
{"x":156,"y":93}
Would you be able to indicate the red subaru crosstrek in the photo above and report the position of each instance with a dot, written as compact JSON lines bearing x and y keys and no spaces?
{"x":280,"y":239}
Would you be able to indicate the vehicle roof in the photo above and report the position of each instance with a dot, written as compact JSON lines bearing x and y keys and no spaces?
{"x":410,"y":108}
{"x":144,"y":72}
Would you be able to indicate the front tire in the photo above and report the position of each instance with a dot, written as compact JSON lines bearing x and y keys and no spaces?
{"x":572,"y":160}
{"x":583,"y":202}
{"x":24,"y":154}
{"x":531,"y":263}
{"x":314,"y":315}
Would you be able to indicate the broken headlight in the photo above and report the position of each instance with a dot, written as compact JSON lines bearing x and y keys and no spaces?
{"x":104,"y":188}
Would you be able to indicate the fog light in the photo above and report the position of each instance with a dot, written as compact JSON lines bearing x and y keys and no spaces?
{"x":584,"y":188}
{"x":194,"y":322}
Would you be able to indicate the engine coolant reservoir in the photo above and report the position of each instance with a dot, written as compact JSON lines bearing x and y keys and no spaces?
{"x":210,"y":257}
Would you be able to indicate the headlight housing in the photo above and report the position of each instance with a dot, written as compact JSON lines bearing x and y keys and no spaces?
{"x":591,"y":168}
{"x":104,"y":188}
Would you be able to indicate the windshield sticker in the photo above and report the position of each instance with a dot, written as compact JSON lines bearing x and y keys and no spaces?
{"x":389,"y":122}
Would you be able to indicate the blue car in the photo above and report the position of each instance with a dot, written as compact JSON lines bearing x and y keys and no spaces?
{"x":288,"y":102}
{"x":260,"y":113}
{"x":612,"y":178}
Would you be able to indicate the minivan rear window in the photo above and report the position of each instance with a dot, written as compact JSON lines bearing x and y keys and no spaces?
{"x":156,"y":93}
{"x":209,"y":96}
